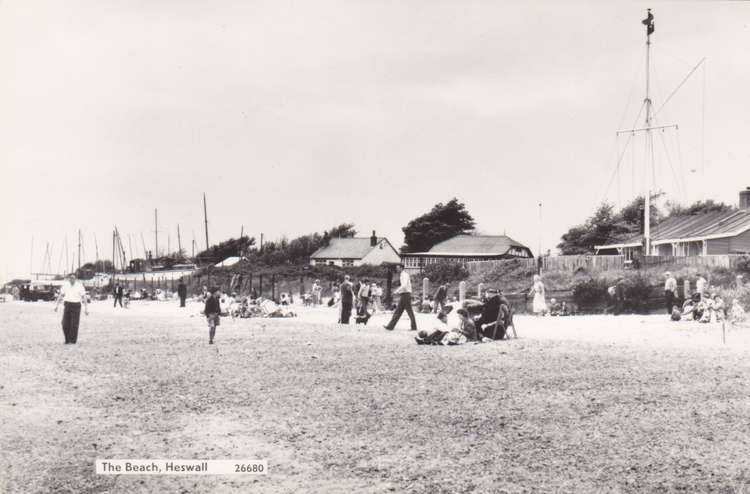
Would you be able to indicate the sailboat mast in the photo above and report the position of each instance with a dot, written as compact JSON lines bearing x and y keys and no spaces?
{"x":156,"y":233}
{"x":205,"y":218}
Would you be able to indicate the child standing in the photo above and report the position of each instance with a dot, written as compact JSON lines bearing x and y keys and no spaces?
{"x":212,"y":311}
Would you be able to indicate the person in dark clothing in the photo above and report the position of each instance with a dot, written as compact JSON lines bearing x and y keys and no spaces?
{"x":118,"y":295}
{"x":440,"y":295}
{"x":182,"y":292}
{"x":495,"y":308}
{"x":212,"y":311}
{"x":347,"y":300}
{"x":404,"y":300}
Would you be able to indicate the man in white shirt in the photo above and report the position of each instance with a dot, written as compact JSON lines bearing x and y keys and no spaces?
{"x":404,"y":301}
{"x":670,"y":291}
{"x":73,"y":293}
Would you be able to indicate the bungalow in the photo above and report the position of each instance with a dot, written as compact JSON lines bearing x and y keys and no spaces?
{"x":465,"y":248}
{"x":356,"y":251}
{"x":726,"y":232}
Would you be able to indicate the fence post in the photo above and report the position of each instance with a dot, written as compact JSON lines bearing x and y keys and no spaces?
{"x":686,"y":289}
{"x":480,"y":290}
{"x":462,"y":291}
{"x":425,"y":289}
{"x":260,"y":286}
{"x":273,"y":287}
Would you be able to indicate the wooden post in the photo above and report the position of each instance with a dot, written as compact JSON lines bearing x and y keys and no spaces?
{"x":480,"y":290}
{"x":686,"y":289}
{"x":301,"y":286}
{"x":462,"y":292}
{"x":250,"y":290}
{"x":425,"y":290}
{"x":723,"y":332}
{"x":260,"y":286}
{"x":273,"y":287}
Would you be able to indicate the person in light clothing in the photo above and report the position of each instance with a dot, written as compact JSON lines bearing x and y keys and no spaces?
{"x":670,"y":291}
{"x":404,"y":301}
{"x":73,"y":294}
{"x":539,"y":304}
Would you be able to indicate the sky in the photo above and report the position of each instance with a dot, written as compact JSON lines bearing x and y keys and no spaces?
{"x":293,"y":117}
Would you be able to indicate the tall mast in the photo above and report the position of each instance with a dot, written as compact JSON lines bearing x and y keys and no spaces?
{"x":156,"y":233}
{"x":649,"y":142}
{"x":205,"y":218}
{"x":179,"y":242}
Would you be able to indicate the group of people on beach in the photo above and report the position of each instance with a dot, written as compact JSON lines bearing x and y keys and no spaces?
{"x":705,"y":305}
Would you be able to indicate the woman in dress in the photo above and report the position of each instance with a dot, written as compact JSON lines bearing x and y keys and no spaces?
{"x":539,"y":305}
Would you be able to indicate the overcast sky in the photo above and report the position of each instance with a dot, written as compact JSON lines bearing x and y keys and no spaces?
{"x":296,"y":116}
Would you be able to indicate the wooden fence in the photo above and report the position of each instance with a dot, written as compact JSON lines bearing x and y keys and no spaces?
{"x":716,"y":261}
{"x":592,"y":264}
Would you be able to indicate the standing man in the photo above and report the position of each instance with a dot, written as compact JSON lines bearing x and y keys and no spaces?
{"x":316,"y":292}
{"x":347,"y":300}
{"x":182,"y":292}
{"x":440,"y":295}
{"x":404,"y":300}
{"x":118,"y":295}
{"x":364,"y":297}
{"x":73,"y":293}
{"x":670,"y":291}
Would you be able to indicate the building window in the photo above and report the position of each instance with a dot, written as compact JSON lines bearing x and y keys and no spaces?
{"x":347,"y":263}
{"x":320,"y":262}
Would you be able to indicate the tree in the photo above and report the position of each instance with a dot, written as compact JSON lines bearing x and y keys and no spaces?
{"x":601,"y":228}
{"x":698,"y":207}
{"x":441,"y":223}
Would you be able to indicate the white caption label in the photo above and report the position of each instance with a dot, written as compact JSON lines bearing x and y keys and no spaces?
{"x":181,"y":467}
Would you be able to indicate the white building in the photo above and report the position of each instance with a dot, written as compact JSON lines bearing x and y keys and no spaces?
{"x":346,"y":252}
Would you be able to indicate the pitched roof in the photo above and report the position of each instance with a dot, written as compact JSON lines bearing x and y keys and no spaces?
{"x":346,"y":248}
{"x":693,"y":227}
{"x":475,"y":245}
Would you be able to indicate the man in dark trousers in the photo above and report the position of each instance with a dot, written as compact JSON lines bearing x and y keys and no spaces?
{"x":118,"y":294}
{"x":212,"y":310}
{"x":73,"y":294}
{"x":182,"y":292}
{"x":347,"y":300}
{"x":404,"y":300}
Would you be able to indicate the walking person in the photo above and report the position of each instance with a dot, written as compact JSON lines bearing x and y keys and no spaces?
{"x":539,"y":304}
{"x":182,"y":292}
{"x":347,"y":300}
{"x":118,"y":294}
{"x":213,"y":312}
{"x":670,"y":291}
{"x":73,"y":294}
{"x":404,"y":300}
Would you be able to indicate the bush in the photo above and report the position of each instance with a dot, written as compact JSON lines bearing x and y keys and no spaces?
{"x":590,"y":293}
{"x":637,"y":294}
{"x":446,"y":272}
{"x":743,"y":264}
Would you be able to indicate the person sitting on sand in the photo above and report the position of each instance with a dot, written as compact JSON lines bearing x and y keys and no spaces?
{"x":736,"y":313}
{"x":718,"y":308}
{"x":676,"y":313}
{"x":212,"y":311}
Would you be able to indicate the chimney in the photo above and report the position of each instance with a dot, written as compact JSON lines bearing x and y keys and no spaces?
{"x":745,"y":200}
{"x":374,"y":239}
